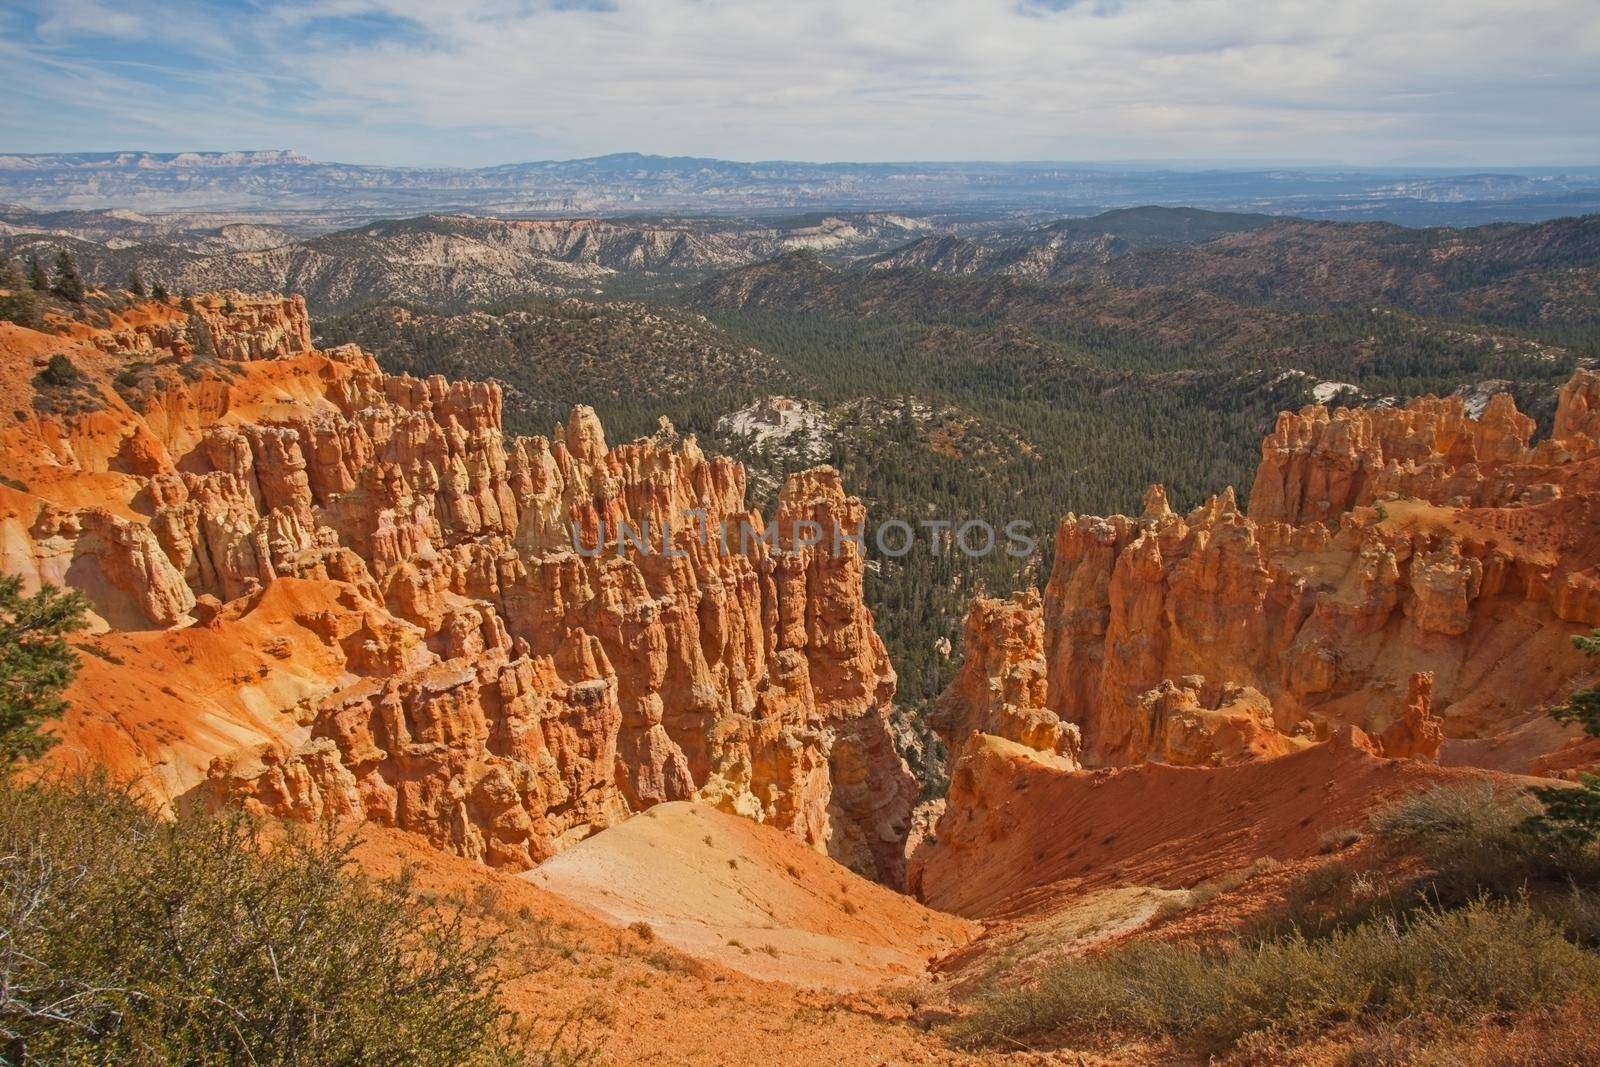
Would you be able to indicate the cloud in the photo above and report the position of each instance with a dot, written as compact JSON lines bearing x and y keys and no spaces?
{"x":68,"y":19}
{"x":496,"y":80}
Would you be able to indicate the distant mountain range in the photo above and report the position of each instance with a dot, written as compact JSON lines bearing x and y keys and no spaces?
{"x":1122,"y":263}
{"x":442,"y":260}
{"x":1208,"y":279}
{"x":279,"y":181}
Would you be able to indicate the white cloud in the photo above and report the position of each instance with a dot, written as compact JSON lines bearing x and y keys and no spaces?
{"x":67,"y":19}
{"x":497,"y":80}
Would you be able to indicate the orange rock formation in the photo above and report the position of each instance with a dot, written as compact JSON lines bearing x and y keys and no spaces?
{"x":335,"y":592}
{"x":1415,"y":572}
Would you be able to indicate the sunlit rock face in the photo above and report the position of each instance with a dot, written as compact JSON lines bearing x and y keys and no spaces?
{"x":1402,"y":593}
{"x":1414,"y":572}
{"x":500,"y":644}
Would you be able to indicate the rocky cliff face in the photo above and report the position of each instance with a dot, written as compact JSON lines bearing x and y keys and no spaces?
{"x":1402,"y":594}
{"x":1415,"y":572}
{"x":411,"y":632}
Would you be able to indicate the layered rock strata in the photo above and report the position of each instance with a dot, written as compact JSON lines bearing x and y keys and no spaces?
{"x":1415,"y":572}
{"x":498,"y":643}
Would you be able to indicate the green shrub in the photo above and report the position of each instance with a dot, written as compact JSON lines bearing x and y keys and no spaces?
{"x":1476,"y":839}
{"x":21,"y":307}
{"x":1583,"y":707}
{"x":1576,"y":910}
{"x":1572,"y":815}
{"x":128,"y":939}
{"x":60,"y":372}
{"x":1451,"y":965}
{"x":1336,"y":896}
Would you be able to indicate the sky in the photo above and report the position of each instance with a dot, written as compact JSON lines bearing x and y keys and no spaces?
{"x":476,"y":82}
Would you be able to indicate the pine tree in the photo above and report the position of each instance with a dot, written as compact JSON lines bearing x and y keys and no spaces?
{"x":1574,"y":814}
{"x":68,"y":282}
{"x":18,"y":304}
{"x":37,"y":278}
{"x":159,"y":291}
{"x":1583,"y":707}
{"x":201,"y":342}
{"x":136,"y":283}
{"x":36,"y":663}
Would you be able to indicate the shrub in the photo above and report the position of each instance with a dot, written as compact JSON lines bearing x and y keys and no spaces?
{"x":1450,"y":965}
{"x":1583,"y":707}
{"x":21,"y":307}
{"x":132,"y":940}
{"x":60,"y":372}
{"x":1335,"y":896}
{"x":1572,"y":816}
{"x":1476,"y":840}
{"x":1577,"y":911}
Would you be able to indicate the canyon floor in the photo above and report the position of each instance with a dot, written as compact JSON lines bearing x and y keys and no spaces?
{"x":687,"y":935}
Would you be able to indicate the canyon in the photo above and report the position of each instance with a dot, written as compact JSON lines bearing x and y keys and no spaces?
{"x":1403,"y":588}
{"x":327,"y":592}
{"x":546,"y":672}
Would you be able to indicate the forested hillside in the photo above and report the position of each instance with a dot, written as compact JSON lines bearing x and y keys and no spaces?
{"x":633,"y":362}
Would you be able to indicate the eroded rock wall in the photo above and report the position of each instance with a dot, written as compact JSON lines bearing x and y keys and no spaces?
{"x":1381,"y":546}
{"x":519,"y":651}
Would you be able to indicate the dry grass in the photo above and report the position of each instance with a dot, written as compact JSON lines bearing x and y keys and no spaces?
{"x":1457,"y":965}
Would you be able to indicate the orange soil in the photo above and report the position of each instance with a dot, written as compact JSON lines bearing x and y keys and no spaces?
{"x":633,"y":1000}
{"x":751,"y":897}
{"x":174,"y":700}
{"x":1046,"y":836}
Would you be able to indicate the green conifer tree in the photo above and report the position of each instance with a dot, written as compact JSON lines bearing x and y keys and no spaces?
{"x":1574,"y":814}
{"x":68,"y":283}
{"x":36,"y":663}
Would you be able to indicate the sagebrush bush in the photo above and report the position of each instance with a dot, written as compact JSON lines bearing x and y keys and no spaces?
{"x":127,"y":939}
{"x":1457,"y":964}
{"x":1336,"y":896}
{"x":1476,"y":840}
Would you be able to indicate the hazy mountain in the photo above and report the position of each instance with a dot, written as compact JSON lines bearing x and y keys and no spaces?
{"x":280,"y":181}
{"x":1059,"y":248}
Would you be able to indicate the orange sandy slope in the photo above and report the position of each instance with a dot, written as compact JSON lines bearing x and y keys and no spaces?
{"x":1035,"y":837}
{"x":750,"y":897}
{"x":632,"y":999}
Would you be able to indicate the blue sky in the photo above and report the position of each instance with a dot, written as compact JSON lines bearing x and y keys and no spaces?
{"x":468,"y":83}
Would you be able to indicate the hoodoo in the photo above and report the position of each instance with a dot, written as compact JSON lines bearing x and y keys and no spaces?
{"x":1381,"y":547}
{"x":1405,"y":586}
{"x":322,"y":591}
